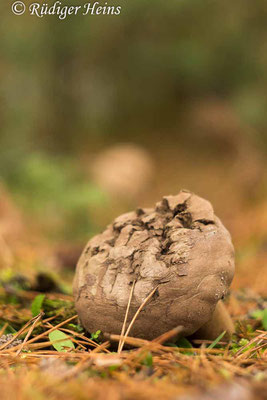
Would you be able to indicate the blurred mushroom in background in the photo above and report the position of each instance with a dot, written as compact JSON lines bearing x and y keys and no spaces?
{"x":123,"y":170}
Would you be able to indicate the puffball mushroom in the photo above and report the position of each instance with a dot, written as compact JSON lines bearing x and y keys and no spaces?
{"x":179,"y":247}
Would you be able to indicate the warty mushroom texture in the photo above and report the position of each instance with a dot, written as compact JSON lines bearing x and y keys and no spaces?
{"x":181,"y":248}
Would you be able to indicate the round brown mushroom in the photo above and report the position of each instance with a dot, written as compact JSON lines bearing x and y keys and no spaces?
{"x":179,"y":247}
{"x":123,"y":170}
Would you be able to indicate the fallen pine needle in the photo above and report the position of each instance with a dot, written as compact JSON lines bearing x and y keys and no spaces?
{"x":125,"y":318}
{"x":136,"y":315}
{"x":37,"y":319}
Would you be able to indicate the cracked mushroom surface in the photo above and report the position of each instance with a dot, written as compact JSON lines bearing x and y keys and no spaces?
{"x":179,"y":246}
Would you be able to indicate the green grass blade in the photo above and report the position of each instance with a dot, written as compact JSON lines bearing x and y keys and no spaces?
{"x":216,"y":341}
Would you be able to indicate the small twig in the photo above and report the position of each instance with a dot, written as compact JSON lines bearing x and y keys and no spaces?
{"x":135,"y":342}
{"x":169,"y":335}
{"x":126,"y":316}
{"x":147,"y":344}
{"x":79,"y":343}
{"x":101,"y":347}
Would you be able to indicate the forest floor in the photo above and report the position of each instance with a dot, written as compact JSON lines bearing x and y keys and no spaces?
{"x":47,"y":354}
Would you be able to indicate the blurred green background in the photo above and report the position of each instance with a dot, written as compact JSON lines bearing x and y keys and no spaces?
{"x":184,"y":82}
